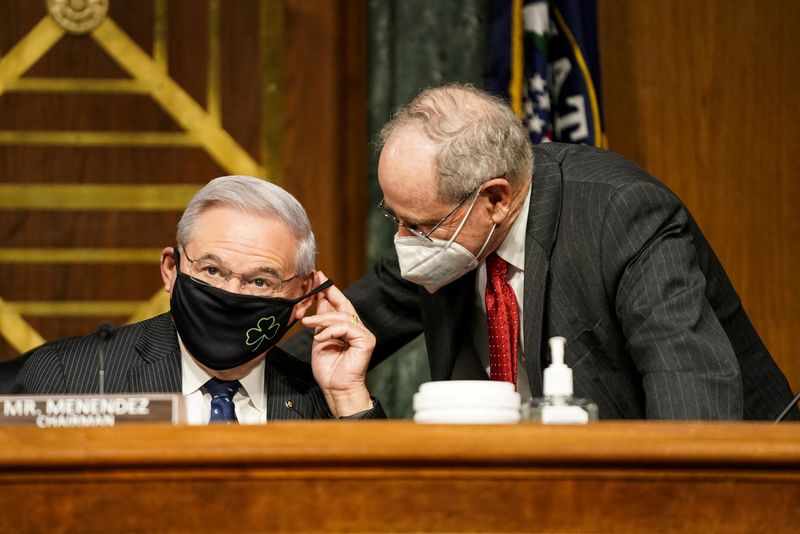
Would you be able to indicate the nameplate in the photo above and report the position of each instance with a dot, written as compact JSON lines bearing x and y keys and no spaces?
{"x":61,"y":411}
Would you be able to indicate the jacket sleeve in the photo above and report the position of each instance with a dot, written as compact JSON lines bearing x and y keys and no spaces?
{"x":376,"y":412}
{"x":688,"y":366}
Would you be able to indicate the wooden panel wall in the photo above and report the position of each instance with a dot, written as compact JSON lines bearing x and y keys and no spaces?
{"x":273,"y":88}
{"x":706,"y":96}
{"x":325,"y":126}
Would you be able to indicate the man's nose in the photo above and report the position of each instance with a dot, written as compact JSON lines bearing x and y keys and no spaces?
{"x":234,"y":285}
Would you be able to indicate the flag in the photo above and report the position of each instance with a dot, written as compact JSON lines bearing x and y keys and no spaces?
{"x":544,"y":61}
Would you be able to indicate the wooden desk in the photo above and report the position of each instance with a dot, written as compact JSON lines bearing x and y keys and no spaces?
{"x":398,"y":476}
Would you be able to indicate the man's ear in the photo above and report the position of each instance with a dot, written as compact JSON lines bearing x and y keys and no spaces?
{"x":499,"y":193}
{"x":302,"y":307}
{"x":168,"y":268}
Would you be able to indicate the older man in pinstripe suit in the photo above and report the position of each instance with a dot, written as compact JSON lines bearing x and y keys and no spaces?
{"x":241,"y":274}
{"x":590,"y":247}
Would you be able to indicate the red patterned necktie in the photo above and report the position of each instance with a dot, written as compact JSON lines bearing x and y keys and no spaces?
{"x":502,"y":319}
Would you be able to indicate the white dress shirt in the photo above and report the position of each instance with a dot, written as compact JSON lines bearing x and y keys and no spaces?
{"x":250,"y":401}
{"x":512,"y":250}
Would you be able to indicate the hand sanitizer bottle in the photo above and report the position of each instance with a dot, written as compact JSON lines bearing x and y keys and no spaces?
{"x":558,"y":406}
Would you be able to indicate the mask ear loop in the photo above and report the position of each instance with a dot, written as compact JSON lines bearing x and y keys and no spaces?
{"x":488,"y":238}
{"x":464,"y":220}
{"x":322,"y":287}
{"x":455,"y":234}
{"x":441,"y":249}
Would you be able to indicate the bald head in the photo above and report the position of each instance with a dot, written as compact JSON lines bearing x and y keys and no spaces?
{"x":475,"y":137}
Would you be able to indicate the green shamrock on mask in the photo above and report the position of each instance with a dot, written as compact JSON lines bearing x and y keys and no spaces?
{"x":266,"y":328}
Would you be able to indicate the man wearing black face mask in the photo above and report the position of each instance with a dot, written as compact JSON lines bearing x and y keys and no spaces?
{"x":241,"y":274}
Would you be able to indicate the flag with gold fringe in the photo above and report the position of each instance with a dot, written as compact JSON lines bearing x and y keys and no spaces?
{"x":545,"y":62}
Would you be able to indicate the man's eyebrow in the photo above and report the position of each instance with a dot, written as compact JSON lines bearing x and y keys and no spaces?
{"x":405,"y":220}
{"x":212,"y":257}
{"x":424,"y":222}
{"x":263,"y":269}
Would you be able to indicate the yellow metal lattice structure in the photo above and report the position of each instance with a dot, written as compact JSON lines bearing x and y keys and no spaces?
{"x":201,"y":127}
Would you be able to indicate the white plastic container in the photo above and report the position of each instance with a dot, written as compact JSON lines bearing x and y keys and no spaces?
{"x":467,"y":402}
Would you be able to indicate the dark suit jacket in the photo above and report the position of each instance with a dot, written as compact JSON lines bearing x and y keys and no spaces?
{"x":615,"y":263}
{"x":145,"y":358}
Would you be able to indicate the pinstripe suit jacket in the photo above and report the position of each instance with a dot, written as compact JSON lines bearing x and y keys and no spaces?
{"x":615,"y":263}
{"x":145,"y":358}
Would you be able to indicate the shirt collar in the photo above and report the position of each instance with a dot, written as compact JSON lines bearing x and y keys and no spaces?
{"x":512,"y":249}
{"x":194,"y":377}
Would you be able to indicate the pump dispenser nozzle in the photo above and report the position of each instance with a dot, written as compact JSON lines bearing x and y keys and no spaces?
{"x":557,"y":376}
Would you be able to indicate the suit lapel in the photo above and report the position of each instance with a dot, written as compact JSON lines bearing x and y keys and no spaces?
{"x":158,"y":368}
{"x":284,"y":402}
{"x":292,"y":392}
{"x":543,"y":219}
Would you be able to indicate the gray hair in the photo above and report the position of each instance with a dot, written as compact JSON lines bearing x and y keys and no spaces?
{"x":479,"y":137}
{"x":258,"y":197}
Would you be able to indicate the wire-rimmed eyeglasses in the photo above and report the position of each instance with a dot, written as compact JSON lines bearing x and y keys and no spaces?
{"x":208,"y":270}
{"x":389,"y":214}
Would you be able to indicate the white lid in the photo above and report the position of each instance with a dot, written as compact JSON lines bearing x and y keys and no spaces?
{"x":471,"y":416}
{"x":427,"y":400}
{"x":557,"y":376}
{"x":450,"y":387}
{"x":466,"y":394}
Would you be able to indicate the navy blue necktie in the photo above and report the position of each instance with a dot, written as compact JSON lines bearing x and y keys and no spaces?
{"x":222,"y":407}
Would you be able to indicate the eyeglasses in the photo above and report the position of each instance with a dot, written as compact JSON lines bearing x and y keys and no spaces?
{"x":263,"y":284}
{"x":389,"y":214}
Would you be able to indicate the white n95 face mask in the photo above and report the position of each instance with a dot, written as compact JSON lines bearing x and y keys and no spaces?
{"x":434,"y":264}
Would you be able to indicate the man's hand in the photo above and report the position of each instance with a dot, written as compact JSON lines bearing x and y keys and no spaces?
{"x":340,"y":351}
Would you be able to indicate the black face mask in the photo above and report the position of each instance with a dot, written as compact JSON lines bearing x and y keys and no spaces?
{"x":223,"y":330}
